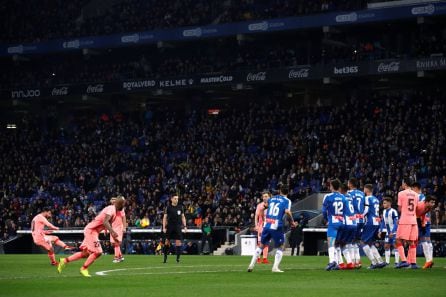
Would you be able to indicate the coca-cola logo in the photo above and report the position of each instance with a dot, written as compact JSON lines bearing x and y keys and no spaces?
{"x":93,"y":89}
{"x":259,"y":76}
{"x":25,"y":94}
{"x":346,"y":70}
{"x":299,"y":73}
{"x":59,"y":91}
{"x":389,"y":67}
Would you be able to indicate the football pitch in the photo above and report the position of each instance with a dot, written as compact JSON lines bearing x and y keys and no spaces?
{"x":31,"y":275}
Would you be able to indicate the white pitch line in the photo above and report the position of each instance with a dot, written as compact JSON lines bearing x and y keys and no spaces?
{"x":261,"y":268}
{"x":105,"y":272}
{"x":36,"y":277}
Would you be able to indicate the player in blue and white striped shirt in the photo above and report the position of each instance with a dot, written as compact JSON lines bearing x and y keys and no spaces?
{"x":277,"y":207}
{"x":333,"y":213}
{"x":389,"y":224}
{"x":347,"y":233}
{"x":358,"y":203}
{"x":371,"y":228}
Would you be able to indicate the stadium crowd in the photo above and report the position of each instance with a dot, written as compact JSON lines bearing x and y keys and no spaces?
{"x":85,"y":18}
{"x":219,"y":164}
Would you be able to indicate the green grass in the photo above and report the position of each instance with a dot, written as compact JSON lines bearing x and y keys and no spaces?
{"x":31,"y":275}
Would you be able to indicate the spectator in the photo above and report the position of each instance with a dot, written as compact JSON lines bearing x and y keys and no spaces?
{"x":206,"y":230}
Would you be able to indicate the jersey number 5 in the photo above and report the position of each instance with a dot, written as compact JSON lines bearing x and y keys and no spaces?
{"x":411,"y":205}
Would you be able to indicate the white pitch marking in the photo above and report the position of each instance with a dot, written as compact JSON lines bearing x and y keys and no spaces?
{"x":261,"y":268}
{"x":105,"y":272}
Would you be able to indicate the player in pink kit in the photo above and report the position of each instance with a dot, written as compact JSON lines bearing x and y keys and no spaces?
{"x":407,"y":225}
{"x":91,"y":246}
{"x":41,"y":235}
{"x":259,"y":219}
{"x":424,"y":226}
{"x":119,"y":225}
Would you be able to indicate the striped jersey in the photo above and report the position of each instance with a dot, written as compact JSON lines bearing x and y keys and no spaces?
{"x":390,"y":220}
{"x":349,"y":211}
{"x":277,"y":205}
{"x":371,"y":217}
{"x":333,"y":208}
{"x":358,"y":203}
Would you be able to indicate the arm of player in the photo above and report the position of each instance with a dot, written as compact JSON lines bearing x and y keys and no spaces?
{"x":49,"y":225}
{"x":366,"y":207}
{"x":293,"y":224}
{"x":108,"y":226}
{"x":395,"y":223}
{"x":164,"y":222}
{"x":183,"y":220}
{"x":256,"y":220}
{"x":124,"y":222}
{"x":382,"y":226}
{"x":399,"y":203}
{"x":324,"y":213}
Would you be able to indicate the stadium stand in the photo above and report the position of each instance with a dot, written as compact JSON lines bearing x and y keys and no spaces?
{"x":379,"y":127}
{"x":87,"y":18}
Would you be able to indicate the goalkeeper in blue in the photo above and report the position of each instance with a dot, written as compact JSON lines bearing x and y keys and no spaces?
{"x":277,"y":206}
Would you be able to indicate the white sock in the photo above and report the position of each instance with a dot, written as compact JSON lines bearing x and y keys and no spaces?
{"x":277,"y":259}
{"x":332,"y":254}
{"x":397,"y":256}
{"x":387,"y":254}
{"x":351,"y":250}
{"x":339,"y":255}
{"x":368,"y":253}
{"x":255,"y":256}
{"x":376,"y":254}
{"x":425,"y":246}
{"x":346,"y":253}
{"x":431,"y":251}
{"x":357,"y":254}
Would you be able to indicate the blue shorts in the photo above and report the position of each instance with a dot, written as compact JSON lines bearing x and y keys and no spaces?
{"x":369,"y":233}
{"x":346,"y":234}
{"x":332,"y":230}
{"x":426,"y":233}
{"x":277,"y":235}
{"x":359,"y":228}
{"x":390,"y":241}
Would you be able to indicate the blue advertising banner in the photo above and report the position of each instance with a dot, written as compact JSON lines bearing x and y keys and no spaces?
{"x":265,"y":76}
{"x":252,"y":27}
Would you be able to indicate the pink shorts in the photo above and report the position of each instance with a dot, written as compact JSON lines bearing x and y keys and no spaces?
{"x":45,"y":241}
{"x":407,"y":232}
{"x":91,"y":242}
{"x":120,"y":231}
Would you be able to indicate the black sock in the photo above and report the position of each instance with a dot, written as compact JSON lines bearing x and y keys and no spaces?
{"x":178,"y":252}
{"x":165,"y":251}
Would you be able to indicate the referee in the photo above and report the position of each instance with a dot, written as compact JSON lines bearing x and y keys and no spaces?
{"x":173,"y":220}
